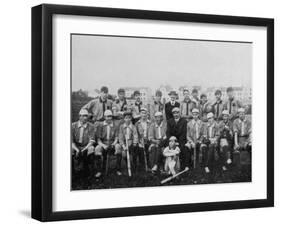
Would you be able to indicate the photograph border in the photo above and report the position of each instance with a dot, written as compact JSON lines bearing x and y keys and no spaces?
{"x":42,"y":119}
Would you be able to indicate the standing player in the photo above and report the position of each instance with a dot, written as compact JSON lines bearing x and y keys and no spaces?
{"x":136,"y":108}
{"x":195,"y":97}
{"x":156,"y":106}
{"x":187,"y":105}
{"x":98,"y":106}
{"x":204,"y":107}
{"x":171,"y":105}
{"x":232,"y":105}
{"x":218,"y":106}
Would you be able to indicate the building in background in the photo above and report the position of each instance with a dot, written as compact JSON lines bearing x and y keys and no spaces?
{"x":241,"y":93}
{"x":145,"y":93}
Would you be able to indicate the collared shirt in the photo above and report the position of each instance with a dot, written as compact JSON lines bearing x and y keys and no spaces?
{"x":186,"y":108}
{"x":82,"y":134}
{"x":177,"y":129}
{"x":203,"y":110}
{"x":97,"y":108}
{"x":195,"y":130}
{"x":168,"y":109}
{"x":232,"y":105}
{"x":142,"y":128}
{"x":136,"y":108}
{"x":107,"y":132}
{"x":81,"y":131}
{"x":225,"y":124}
{"x":128,"y":132}
{"x":196,"y":101}
{"x":243,"y":128}
{"x":121,"y":107}
{"x":211,"y":130}
{"x":157,"y":132}
{"x":155,"y":107}
{"x":218,"y":107}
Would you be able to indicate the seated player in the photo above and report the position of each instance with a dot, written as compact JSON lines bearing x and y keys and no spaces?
{"x":171,"y":154}
{"x":242,"y":129}
{"x":210,"y":145}
{"x":225,"y":139}
{"x":195,"y":129}
{"x":128,"y":139}
{"x":157,"y":137}
{"x":107,"y":138}
{"x":82,"y":143}
{"x":142,"y":127}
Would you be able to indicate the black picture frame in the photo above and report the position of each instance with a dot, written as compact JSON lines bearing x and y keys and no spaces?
{"x":42,"y":107}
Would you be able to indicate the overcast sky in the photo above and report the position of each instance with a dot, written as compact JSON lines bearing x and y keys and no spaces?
{"x":121,"y":61}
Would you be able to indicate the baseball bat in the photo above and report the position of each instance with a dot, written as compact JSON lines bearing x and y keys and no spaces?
{"x":173,"y":176}
{"x":128,"y":159}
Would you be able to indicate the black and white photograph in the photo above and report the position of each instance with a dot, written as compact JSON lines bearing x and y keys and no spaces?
{"x":141,"y":112}
{"x":154,"y":111}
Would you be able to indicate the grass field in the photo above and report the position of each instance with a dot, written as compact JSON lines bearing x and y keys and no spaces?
{"x":236,"y":173}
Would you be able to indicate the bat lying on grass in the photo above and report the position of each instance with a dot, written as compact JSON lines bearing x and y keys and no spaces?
{"x":173,"y":176}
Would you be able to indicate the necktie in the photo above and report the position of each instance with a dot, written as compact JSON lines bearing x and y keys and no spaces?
{"x":210,"y":131}
{"x":197,"y":130}
{"x":81,"y":133}
{"x":139,"y":106}
{"x":108,"y":132}
{"x":218,"y":109}
{"x":127,"y":133}
{"x":103,"y":106}
{"x":159,"y":132}
{"x":187,"y":111}
{"x":230,"y":101}
{"x":122,"y":106}
{"x":144,"y":126}
{"x":242,"y":128}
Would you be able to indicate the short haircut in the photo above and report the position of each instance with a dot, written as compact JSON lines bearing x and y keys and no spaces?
{"x":218,"y":92}
{"x":229,"y":89}
{"x":104,"y":89}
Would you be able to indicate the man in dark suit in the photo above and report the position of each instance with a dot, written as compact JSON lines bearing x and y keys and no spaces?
{"x":177,"y":126}
{"x":171,"y":104}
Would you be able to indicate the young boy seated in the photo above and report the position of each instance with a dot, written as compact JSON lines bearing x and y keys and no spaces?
{"x":172,"y":164}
